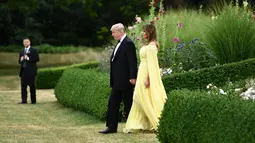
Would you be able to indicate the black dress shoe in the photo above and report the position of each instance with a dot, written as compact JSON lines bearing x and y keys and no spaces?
{"x":108,"y":131}
{"x":22,"y":102}
{"x":33,"y":102}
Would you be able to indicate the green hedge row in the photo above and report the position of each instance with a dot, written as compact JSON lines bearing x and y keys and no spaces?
{"x":47,"y":78}
{"x":196,"y":117}
{"x":46,"y":48}
{"x":85,"y":90}
{"x":191,"y":80}
{"x":217,"y":75}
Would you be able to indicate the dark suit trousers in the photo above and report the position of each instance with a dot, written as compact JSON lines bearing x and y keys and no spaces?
{"x":28,"y":80}
{"x":114,"y":106}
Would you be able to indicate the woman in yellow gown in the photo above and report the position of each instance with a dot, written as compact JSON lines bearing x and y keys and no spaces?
{"x":149,"y":94}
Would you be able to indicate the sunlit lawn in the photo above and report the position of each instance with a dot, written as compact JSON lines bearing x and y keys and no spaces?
{"x":49,"y":121}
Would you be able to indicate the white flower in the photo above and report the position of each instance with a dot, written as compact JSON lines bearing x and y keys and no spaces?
{"x":169,"y":71}
{"x":130,"y":27}
{"x":214,"y":17}
{"x":161,"y":72}
{"x":249,"y":94}
{"x":138,"y":19}
{"x":222,"y":92}
{"x":238,"y":89}
{"x":209,"y":85}
{"x":245,"y":3}
{"x":245,"y":98}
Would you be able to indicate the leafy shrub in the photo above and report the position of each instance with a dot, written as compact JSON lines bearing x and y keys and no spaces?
{"x":217,"y":75}
{"x":85,"y":90}
{"x":105,"y":59}
{"x":193,"y":55}
{"x":47,"y":78}
{"x":46,"y":48}
{"x":196,"y":117}
{"x":194,"y":25}
{"x":230,"y":35}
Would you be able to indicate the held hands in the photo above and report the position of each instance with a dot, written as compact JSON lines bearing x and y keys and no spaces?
{"x":132,"y":81}
{"x":147,"y":83}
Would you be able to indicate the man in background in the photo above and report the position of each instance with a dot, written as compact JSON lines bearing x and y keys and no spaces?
{"x":28,"y":58}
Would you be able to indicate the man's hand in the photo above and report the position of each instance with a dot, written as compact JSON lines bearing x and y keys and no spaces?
{"x":132,"y":81}
{"x":21,"y":58}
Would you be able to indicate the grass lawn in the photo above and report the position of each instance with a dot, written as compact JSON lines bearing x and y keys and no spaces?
{"x":10,"y":82}
{"x":48,"y":121}
{"x":10,"y":60}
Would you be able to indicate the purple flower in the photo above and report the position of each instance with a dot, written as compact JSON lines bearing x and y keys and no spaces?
{"x":176,"y":39}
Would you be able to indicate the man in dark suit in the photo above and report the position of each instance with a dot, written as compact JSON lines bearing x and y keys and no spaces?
{"x":28,"y":58}
{"x":123,"y":72}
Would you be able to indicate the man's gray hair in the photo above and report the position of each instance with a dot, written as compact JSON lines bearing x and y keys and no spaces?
{"x":119,"y":27}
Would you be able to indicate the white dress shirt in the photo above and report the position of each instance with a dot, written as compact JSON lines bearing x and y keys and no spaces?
{"x":26,"y":51}
{"x":118,"y":45}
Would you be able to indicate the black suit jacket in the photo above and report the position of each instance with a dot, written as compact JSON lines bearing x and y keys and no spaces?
{"x":124,"y":66}
{"x":31,"y":66}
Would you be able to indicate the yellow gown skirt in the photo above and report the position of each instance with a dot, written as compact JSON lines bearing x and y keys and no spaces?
{"x":148,"y":102}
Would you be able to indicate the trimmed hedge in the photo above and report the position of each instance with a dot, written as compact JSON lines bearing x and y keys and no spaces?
{"x":195,"y":117}
{"x":85,"y":90}
{"x":47,"y":78}
{"x":217,"y":75}
{"x":46,"y":48}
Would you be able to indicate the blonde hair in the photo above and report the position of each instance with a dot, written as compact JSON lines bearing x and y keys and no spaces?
{"x":119,"y":27}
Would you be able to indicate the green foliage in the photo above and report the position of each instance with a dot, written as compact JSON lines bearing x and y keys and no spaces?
{"x":196,"y":117}
{"x":22,"y":6}
{"x":186,"y":25}
{"x":191,"y":56}
{"x":218,"y":75}
{"x":64,"y":22}
{"x":230,"y":35}
{"x":46,"y":48}
{"x":187,"y":56}
{"x":195,"y":56}
{"x":105,"y":59}
{"x":47,"y":78}
{"x":85,"y":90}
{"x":193,"y":26}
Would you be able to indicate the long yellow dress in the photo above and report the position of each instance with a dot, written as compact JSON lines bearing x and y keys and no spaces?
{"x":147,"y":102}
